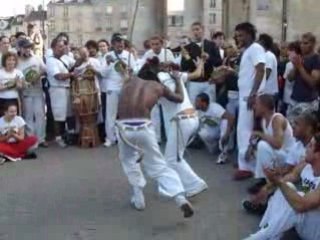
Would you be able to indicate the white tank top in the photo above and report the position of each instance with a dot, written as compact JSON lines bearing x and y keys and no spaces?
{"x":309,"y":181}
{"x":288,"y":133}
{"x":172,"y":108}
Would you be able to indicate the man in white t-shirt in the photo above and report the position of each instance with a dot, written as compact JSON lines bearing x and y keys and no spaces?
{"x":250,"y":82}
{"x":33,"y":68}
{"x":165,"y":56}
{"x":59,"y":80}
{"x":272,"y":85}
{"x":217,"y":125}
{"x":115,"y":82}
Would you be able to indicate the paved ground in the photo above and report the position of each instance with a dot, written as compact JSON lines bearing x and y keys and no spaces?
{"x":75,"y":194}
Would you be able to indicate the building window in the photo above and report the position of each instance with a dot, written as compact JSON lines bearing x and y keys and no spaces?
{"x":108,"y":23}
{"x":213,"y":3}
{"x":52,"y":26}
{"x":175,"y":21}
{"x":212,"y":18}
{"x":65,"y":11}
{"x":66,"y":26}
{"x":109,"y":10}
{"x":52,"y":11}
{"x":124,"y":24}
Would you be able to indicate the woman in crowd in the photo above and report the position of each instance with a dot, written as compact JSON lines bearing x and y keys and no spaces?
{"x":14,"y":144}
{"x":11,"y":80}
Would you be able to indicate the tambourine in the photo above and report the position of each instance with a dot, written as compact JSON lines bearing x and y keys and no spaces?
{"x":120,"y":67}
{"x":11,"y":84}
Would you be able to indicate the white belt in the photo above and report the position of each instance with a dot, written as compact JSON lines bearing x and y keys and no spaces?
{"x":233,"y":94}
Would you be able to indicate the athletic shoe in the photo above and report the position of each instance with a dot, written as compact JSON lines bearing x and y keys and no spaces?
{"x":197,"y":191}
{"x":257,"y":209}
{"x":2,"y":160}
{"x":242,"y":175}
{"x":30,"y":156}
{"x":137,"y":200}
{"x":44,"y":145}
{"x":255,"y":188}
{"x":222,"y":158}
{"x":108,"y":143}
{"x":61,"y":142}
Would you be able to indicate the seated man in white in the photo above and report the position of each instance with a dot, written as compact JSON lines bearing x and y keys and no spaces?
{"x":304,"y":128}
{"x":275,"y":139}
{"x":216,"y":127}
{"x":289,"y":207}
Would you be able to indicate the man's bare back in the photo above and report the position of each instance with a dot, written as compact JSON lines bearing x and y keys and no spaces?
{"x":138,"y":97}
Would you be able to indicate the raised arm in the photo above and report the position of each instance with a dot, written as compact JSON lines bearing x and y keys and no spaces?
{"x":176,"y":96}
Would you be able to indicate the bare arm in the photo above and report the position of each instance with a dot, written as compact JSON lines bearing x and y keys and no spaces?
{"x":312,"y":79}
{"x":176,"y":96}
{"x":197,"y":73}
{"x":260,"y":70}
{"x":300,"y":203}
{"x":19,"y":135}
{"x":63,"y":76}
{"x":276,"y":140}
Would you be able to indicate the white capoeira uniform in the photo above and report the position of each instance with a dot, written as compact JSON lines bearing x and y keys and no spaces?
{"x":251,"y":57}
{"x":59,"y":90}
{"x":180,"y":128}
{"x":138,"y":146}
{"x":33,"y":99}
{"x":165,"y":55}
{"x":213,"y":127}
{"x":281,"y":217}
{"x":268,"y":157}
{"x":114,"y":86}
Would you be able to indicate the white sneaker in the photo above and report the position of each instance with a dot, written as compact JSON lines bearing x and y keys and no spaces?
{"x":222,"y":158}
{"x":2,"y":160}
{"x":61,"y":142}
{"x":108,"y":143}
{"x":197,"y":191}
{"x":137,"y":200}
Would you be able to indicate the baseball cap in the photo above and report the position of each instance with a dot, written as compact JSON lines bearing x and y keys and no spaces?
{"x":25,"y":43}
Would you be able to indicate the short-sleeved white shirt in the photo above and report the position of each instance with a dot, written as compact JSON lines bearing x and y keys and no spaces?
{"x":214,"y":112}
{"x":6,"y":77}
{"x":251,"y":57}
{"x":288,"y":86}
{"x":172,"y":108}
{"x":54,"y":67}
{"x":296,"y":154}
{"x":16,"y":123}
{"x":272,"y":86}
{"x":32,"y":64}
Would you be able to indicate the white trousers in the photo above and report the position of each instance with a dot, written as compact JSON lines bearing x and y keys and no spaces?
{"x":111,"y":114}
{"x":179,"y":134}
{"x":34,"y":115}
{"x":156,"y":120}
{"x":195,"y":88}
{"x":212,"y":135}
{"x":280,"y":217}
{"x":60,"y":103}
{"x":244,"y":131}
{"x":267,"y":157}
{"x":153,"y":161}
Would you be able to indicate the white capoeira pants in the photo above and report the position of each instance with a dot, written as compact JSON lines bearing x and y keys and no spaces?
{"x":211,"y":135}
{"x":280,"y":217}
{"x":156,"y":121}
{"x":195,"y":88}
{"x":142,"y":135}
{"x":244,"y":131}
{"x":111,"y":114}
{"x":267,"y":157}
{"x":180,"y":132}
{"x":34,"y":115}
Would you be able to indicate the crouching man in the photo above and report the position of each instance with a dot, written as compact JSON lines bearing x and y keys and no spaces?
{"x":217,"y":125}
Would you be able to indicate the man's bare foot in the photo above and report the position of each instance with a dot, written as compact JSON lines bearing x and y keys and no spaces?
{"x":187,"y":210}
